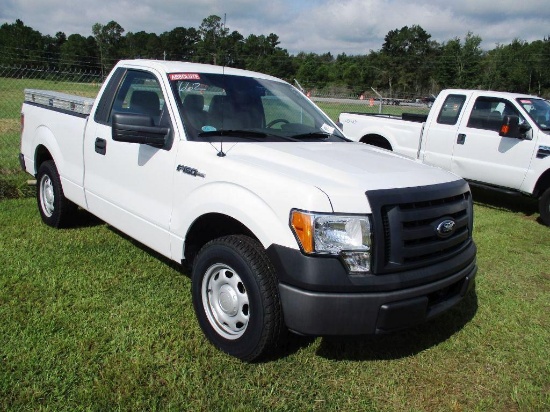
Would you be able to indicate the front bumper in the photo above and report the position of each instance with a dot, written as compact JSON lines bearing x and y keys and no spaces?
{"x":361,"y":309}
{"x":319,"y":313}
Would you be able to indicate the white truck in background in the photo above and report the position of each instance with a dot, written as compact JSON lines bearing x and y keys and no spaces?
{"x":285,"y":223}
{"x":492,"y":139}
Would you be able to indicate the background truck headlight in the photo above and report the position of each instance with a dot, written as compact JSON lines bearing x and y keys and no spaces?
{"x":346,"y":236}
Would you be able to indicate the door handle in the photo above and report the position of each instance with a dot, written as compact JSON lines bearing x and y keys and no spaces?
{"x":461,"y":138}
{"x":100,"y":146}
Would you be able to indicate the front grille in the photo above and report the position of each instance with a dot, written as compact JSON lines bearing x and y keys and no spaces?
{"x":406,"y":225}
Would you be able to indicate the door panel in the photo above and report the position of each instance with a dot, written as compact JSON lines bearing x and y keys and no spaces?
{"x":482,"y":155}
{"x":439,"y":141}
{"x":129,"y":185}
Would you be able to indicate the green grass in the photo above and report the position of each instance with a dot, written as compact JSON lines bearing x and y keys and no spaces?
{"x":93,"y":321}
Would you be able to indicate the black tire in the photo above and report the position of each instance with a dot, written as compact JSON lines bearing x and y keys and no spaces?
{"x":544,"y":207}
{"x":55,"y":209}
{"x":236,"y":297}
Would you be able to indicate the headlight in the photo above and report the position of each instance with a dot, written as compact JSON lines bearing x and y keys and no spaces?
{"x":347,"y":236}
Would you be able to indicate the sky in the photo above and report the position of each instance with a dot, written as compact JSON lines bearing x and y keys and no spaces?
{"x":354,"y":27}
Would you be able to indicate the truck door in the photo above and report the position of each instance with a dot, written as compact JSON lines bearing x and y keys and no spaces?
{"x":480,"y":154}
{"x":440,"y":133}
{"x":129,"y":185}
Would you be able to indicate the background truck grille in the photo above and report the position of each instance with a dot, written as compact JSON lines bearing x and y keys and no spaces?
{"x":406,"y":221}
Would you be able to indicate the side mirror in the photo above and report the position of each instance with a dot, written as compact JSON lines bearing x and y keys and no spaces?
{"x":135,"y":128}
{"x":510,"y":127}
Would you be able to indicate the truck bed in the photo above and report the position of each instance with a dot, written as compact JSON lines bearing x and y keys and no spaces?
{"x":58,"y":121}
{"x":410,"y":117}
{"x":400,"y":134}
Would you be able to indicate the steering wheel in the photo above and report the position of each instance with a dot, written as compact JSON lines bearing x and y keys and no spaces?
{"x":273,"y":122}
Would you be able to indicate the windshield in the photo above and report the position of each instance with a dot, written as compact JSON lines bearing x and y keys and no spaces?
{"x":538,"y":110}
{"x":218,"y":106}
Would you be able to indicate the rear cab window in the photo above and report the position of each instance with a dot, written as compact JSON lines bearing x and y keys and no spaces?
{"x":451,"y":109}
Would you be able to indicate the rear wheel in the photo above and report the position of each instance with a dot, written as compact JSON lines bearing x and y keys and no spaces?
{"x":236,"y":298}
{"x":544,"y":207}
{"x":54,"y":207}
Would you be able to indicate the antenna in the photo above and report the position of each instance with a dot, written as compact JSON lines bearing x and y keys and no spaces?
{"x":299,"y":86}
{"x":221,"y":153}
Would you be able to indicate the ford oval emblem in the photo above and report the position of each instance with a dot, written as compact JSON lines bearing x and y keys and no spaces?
{"x":445,"y":228}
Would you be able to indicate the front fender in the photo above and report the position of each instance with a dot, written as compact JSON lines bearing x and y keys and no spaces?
{"x":267,"y":219}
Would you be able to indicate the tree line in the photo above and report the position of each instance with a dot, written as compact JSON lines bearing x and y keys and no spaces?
{"x":410,"y":62}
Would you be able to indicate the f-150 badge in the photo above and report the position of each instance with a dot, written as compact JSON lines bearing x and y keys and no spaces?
{"x":190,"y":171}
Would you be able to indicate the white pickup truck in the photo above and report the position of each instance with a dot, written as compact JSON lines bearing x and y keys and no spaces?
{"x":492,"y":139}
{"x":286,"y":224}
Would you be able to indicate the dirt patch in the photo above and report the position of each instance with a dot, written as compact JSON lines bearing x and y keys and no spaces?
{"x":9,"y":126}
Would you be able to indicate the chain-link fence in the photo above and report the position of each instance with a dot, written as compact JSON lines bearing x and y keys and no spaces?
{"x":13,"y":81}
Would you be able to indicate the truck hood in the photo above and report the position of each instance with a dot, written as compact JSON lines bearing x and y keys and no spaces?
{"x":342,"y":170}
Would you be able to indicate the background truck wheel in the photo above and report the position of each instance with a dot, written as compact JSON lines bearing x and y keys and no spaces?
{"x":544,"y":207}
{"x":54,"y":208}
{"x":236,"y":298}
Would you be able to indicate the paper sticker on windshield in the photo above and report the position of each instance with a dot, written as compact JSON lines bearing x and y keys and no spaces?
{"x":184,"y":76}
{"x":326,"y":128}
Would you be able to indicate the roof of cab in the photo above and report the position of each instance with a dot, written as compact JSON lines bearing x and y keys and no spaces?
{"x":167,"y":66}
{"x":491,"y":93}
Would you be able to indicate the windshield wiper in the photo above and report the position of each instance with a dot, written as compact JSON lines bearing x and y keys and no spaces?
{"x":322,"y":135}
{"x":246,"y":134}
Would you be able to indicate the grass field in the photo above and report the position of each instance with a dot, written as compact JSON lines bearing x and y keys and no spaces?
{"x":93,"y":321}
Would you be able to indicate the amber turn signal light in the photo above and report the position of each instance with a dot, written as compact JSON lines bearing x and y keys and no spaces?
{"x":302,"y":225}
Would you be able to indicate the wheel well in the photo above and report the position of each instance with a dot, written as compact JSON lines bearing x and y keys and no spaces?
{"x":542,"y":184}
{"x":376,"y":140}
{"x":40,"y":156}
{"x":208,"y":227}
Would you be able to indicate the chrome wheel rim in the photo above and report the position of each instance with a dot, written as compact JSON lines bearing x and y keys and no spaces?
{"x":225,"y":301}
{"x":47,"y":197}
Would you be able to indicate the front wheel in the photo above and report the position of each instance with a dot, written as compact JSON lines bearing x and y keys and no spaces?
{"x":54,"y":207}
{"x":236,"y":298}
{"x":544,"y":207}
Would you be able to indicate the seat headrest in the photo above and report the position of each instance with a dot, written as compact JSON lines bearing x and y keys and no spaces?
{"x":193,"y":102}
{"x":145,"y":101}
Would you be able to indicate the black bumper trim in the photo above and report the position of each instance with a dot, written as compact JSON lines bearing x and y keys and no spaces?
{"x":328,"y":274}
{"x":324,"y":314}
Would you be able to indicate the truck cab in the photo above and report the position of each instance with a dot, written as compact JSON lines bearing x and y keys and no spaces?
{"x":493,"y":139}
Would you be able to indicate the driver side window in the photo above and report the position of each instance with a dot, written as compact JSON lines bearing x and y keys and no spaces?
{"x":488,"y":113}
{"x":139,"y":93}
